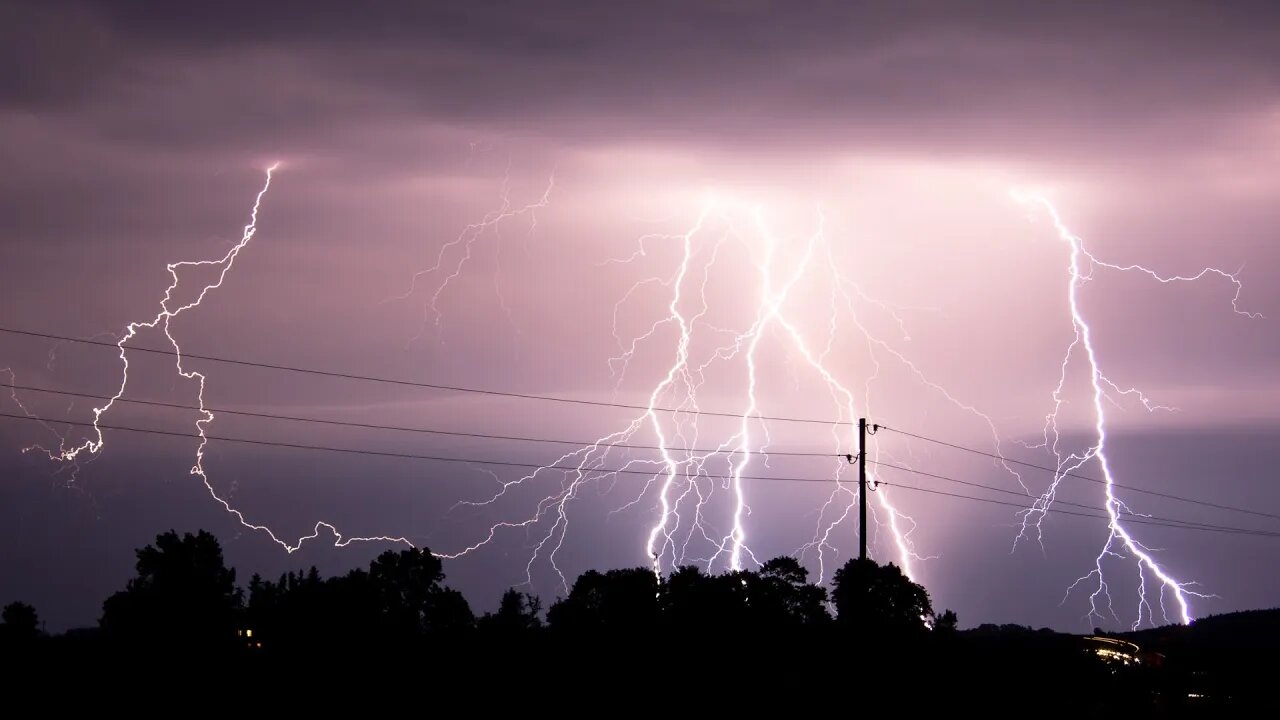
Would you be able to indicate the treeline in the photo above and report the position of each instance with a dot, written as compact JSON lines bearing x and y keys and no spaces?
{"x":749,"y":638}
{"x":184,"y":598}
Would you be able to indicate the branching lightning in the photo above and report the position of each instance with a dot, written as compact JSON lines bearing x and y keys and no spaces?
{"x":701,"y":497}
{"x":684,"y":481}
{"x":453,"y":256}
{"x":169,"y":310}
{"x":1119,"y":540}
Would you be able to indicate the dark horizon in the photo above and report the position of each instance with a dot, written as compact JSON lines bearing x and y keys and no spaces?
{"x":185,"y":604}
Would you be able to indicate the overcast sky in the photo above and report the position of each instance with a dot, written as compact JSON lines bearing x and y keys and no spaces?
{"x":136,"y":134}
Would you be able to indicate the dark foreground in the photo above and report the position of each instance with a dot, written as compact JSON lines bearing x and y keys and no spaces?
{"x":1182,"y":672}
{"x":182,"y":637}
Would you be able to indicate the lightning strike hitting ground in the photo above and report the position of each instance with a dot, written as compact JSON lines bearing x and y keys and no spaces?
{"x":1119,"y":540}
{"x":684,"y":480}
{"x":686,"y":486}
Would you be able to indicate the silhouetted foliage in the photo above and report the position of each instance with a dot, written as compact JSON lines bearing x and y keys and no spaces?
{"x":693,"y":601}
{"x":625,"y":629}
{"x":448,"y":613}
{"x":878,"y":598}
{"x":399,"y":601}
{"x":779,"y":596}
{"x":613,"y":603}
{"x":21,"y":623}
{"x":304,"y":612}
{"x":184,"y":597}
{"x":947,"y":623}
{"x":407,"y":589}
{"x":516,"y":617}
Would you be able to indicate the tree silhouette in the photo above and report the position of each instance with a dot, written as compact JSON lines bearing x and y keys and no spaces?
{"x":397,"y":603}
{"x":777,"y":597}
{"x":618,"y":602}
{"x":411,"y":600}
{"x":183,"y":596}
{"x":693,"y":601}
{"x":947,"y":623}
{"x":300,"y":612}
{"x":517,"y":616}
{"x":780,"y":596}
{"x":21,"y":623}
{"x":627,"y":631}
{"x":404,"y":583}
{"x":448,"y":613}
{"x":878,"y":598}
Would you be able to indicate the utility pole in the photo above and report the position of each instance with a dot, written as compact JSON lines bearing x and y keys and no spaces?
{"x":862,"y":488}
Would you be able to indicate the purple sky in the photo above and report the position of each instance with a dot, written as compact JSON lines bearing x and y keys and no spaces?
{"x":135,"y":134}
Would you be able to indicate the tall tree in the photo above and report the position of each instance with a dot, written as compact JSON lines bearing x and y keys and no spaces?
{"x":411,"y":599}
{"x":517,"y":615}
{"x":947,"y":623}
{"x":21,"y":623}
{"x":617,"y":602}
{"x":879,"y":598}
{"x":404,"y":582}
{"x":780,"y":596}
{"x":693,"y":601}
{"x":183,"y":596}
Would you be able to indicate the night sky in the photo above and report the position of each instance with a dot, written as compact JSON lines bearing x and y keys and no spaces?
{"x":137,"y":134}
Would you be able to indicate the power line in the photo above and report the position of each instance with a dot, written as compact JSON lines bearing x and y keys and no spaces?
{"x":412,"y":383}
{"x":523,"y":439}
{"x":1138,"y":520}
{"x":580,"y":443}
{"x":1078,"y":476}
{"x":1036,"y":508}
{"x":401,"y":428}
{"x":553,"y":398}
{"x":1146,"y":520}
{"x":406,"y":456}
{"x":993,"y":488}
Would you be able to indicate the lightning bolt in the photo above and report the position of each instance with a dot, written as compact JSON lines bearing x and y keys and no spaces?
{"x":686,"y":485}
{"x":453,"y":256}
{"x":586,"y":462}
{"x":169,"y":310}
{"x":1119,"y":539}
{"x":684,"y":480}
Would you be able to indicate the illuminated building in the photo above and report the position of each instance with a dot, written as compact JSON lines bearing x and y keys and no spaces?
{"x":1114,"y":650}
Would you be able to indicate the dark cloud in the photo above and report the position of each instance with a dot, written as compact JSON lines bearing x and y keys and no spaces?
{"x":935,"y":76}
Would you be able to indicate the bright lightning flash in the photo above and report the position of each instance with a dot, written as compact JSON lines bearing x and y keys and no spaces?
{"x":1119,"y":539}
{"x":685,"y":479}
{"x":695,"y":463}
